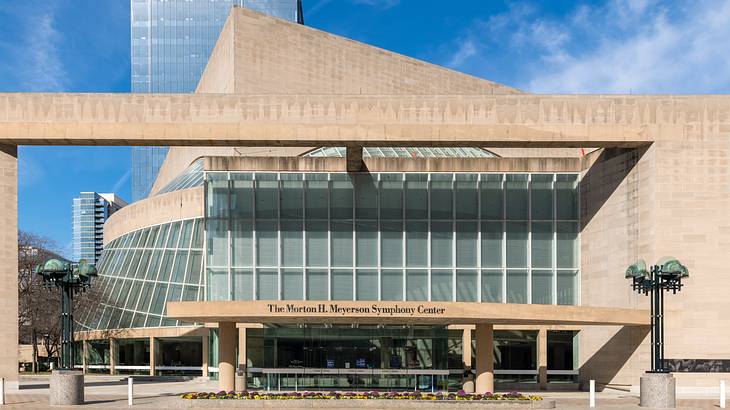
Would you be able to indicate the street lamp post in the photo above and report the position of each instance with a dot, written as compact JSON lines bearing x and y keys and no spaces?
{"x":67,"y":386}
{"x":665,"y":276}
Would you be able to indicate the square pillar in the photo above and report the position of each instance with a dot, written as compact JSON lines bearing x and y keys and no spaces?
{"x":485,"y":358}
{"x":466,"y":360}
{"x":153,"y":356}
{"x":9,"y":264}
{"x":112,"y":356}
{"x":542,"y":358}
{"x":227,"y":341}
{"x":85,"y":356}
{"x":242,"y":360}
{"x":206,"y":354}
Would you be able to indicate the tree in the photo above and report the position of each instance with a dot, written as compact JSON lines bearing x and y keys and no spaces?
{"x":39,"y":308}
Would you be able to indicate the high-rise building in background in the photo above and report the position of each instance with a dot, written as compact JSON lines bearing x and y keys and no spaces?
{"x":171,"y":43}
{"x":90,"y":211}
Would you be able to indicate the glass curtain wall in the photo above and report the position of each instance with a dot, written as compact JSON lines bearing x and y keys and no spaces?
{"x":144,"y":269}
{"x":503,"y":238}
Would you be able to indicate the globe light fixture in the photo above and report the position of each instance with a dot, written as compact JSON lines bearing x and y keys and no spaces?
{"x":70,"y":278}
{"x":665,"y":275}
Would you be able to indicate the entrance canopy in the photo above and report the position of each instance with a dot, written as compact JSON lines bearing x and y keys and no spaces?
{"x":381,"y":312}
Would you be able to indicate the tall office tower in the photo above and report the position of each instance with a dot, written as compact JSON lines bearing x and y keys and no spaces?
{"x":90,"y":211}
{"x":171,"y":43}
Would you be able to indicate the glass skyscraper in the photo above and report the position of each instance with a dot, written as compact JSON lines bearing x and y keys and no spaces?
{"x":90,"y":211}
{"x":171,"y":43}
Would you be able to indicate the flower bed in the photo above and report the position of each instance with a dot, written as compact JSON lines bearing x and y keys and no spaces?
{"x":370,"y":395}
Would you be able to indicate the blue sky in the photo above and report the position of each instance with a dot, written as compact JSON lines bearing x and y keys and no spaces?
{"x":613,"y":46}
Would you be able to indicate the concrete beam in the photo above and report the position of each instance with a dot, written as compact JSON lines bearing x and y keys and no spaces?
{"x":339,"y":120}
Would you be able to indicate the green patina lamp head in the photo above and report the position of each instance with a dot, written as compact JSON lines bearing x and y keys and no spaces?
{"x":85,"y":271}
{"x":672,"y":266}
{"x":53,"y":268}
{"x":637,"y":270}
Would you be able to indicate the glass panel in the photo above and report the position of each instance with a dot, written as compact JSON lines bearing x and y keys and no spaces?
{"x":267,"y":283}
{"x":166,"y":266}
{"x":542,"y":245}
{"x":441,"y":285}
{"x":561,"y":350}
{"x":392,"y":286}
{"x":317,"y":243}
{"x":516,"y":244}
{"x":466,"y":244}
{"x":416,"y":284}
{"x":217,"y":197}
{"x":542,"y":287}
{"x":242,"y":243}
{"x":178,"y":270}
{"x":391,"y":196}
{"x":242,"y":284}
{"x":466,"y":285}
{"x":567,"y":246}
{"x":441,"y":238}
{"x":466,"y":197}
{"x":391,"y":248}
{"x":190,"y":294}
{"x":441,"y":196}
{"x":158,"y":299}
{"x":341,"y":243}
{"x":317,"y":284}
{"x":342,"y":284}
{"x":492,"y":244}
{"x":367,"y":244}
{"x":217,"y":243}
{"x":366,"y":197}
{"x":198,"y":235}
{"x":541,"y":196}
{"x":291,"y":198}
{"x":162,"y":237}
{"x":367,"y":284}
{"x":492,"y":286}
{"x":267,"y":246}
{"x":516,"y":286}
{"x":291,"y":243}
{"x":516,"y":191}
{"x":194,"y":267}
{"x":566,"y":196}
{"x":242,"y":195}
{"x":316,"y":196}
{"x":217,"y":284}
{"x":567,"y":287}
{"x":292,"y":284}
{"x":267,"y":196}
{"x":416,"y":244}
{"x":187,"y":232}
{"x":341,"y":197}
{"x":416,"y":195}
{"x":172,"y":239}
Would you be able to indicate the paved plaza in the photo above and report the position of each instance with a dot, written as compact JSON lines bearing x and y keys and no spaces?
{"x":110,"y":392}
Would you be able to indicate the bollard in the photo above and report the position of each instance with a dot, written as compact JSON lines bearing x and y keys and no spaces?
{"x":592,"y":399}
{"x":2,"y":391}
{"x":722,"y":394}
{"x":130,"y":391}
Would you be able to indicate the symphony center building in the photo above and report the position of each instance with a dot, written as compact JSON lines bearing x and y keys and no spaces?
{"x":442,"y":254}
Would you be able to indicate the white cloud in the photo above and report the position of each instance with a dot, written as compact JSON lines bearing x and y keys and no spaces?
{"x":621,"y":46}
{"x":380,"y":4}
{"x":46,"y":71}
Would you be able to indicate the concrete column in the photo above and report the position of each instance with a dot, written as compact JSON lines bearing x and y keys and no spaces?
{"x":153,"y":356}
{"x":85,"y":356}
{"x":485,"y":358}
{"x":354,"y":159}
{"x":466,"y":360}
{"x":227,"y":339}
{"x":542,"y":358}
{"x":9,"y":264}
{"x":206,"y":355}
{"x":112,"y":356}
{"x":242,"y":360}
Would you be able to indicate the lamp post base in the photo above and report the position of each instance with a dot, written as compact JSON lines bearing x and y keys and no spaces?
{"x":658,"y":390}
{"x":66,"y":388}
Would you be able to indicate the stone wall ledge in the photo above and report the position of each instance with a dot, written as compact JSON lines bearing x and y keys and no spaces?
{"x":362,"y":403}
